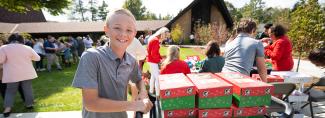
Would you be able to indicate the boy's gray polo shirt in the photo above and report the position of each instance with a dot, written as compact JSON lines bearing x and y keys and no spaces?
{"x":241,"y":53}
{"x":101,"y":69}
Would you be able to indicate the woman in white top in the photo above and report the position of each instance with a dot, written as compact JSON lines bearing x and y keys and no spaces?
{"x":39,"y":49}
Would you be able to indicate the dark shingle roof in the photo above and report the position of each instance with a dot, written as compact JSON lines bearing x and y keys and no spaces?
{"x":13,"y":17}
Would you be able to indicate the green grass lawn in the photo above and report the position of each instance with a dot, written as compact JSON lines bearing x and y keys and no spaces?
{"x":53,"y":91}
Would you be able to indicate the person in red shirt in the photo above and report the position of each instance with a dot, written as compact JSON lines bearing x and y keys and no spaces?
{"x":280,"y":51}
{"x":172,"y":63}
{"x":154,"y":57}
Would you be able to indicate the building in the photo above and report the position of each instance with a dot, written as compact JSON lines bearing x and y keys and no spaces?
{"x":203,"y":11}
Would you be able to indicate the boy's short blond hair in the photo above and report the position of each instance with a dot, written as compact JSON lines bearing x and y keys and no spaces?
{"x":118,"y":11}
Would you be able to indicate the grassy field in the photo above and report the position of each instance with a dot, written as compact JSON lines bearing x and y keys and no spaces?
{"x":53,"y":91}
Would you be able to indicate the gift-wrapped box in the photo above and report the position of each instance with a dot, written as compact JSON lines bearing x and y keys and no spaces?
{"x":176,"y":92}
{"x":247,"y":91}
{"x":248,"y":111}
{"x":270,"y":78}
{"x":212,"y":91}
{"x":250,"y":101}
{"x":215,"y":113}
{"x":183,"y":113}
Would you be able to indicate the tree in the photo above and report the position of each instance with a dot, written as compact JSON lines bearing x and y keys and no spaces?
{"x":234,"y":12}
{"x":93,"y":10}
{"x":149,"y":16}
{"x":214,"y":31}
{"x":167,"y":17}
{"x":78,"y":11}
{"x":136,"y":8}
{"x":254,"y":9}
{"x":102,"y":11}
{"x":307,"y":27}
{"x":280,"y":16}
{"x":177,"y":34}
{"x":55,"y":7}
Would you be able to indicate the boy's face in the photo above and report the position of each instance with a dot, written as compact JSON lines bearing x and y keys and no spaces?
{"x":121,"y":31}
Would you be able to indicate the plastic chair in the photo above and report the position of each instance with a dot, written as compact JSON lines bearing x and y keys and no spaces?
{"x":315,"y":95}
{"x":281,"y":104}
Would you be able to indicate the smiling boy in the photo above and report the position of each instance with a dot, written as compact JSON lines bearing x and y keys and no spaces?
{"x":103,"y":73}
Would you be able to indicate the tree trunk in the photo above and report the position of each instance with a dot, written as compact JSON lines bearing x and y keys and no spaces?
{"x":299,"y":57}
{"x":81,"y":11}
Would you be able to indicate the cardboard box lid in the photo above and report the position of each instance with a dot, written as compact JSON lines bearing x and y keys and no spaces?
{"x":207,"y":80}
{"x":241,"y":80}
{"x":175,"y":85}
{"x":173,"y":81}
{"x":246,"y":86}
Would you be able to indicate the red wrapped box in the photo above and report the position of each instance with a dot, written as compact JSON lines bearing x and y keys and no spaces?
{"x":270,"y":78}
{"x":209,"y":85}
{"x":175,"y":85}
{"x":248,"y":111}
{"x":246,"y":86}
{"x":213,"y":92}
{"x":215,"y":113}
{"x":183,"y":113}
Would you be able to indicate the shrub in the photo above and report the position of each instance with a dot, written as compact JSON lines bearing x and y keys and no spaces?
{"x":177,"y":34}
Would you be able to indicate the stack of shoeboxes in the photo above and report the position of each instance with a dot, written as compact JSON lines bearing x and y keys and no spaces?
{"x":271,"y":79}
{"x":177,"y":96}
{"x":249,"y":96}
{"x":214,"y":96}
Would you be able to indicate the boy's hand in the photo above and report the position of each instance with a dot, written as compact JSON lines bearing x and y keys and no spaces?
{"x":143,"y":106}
{"x":142,"y":95}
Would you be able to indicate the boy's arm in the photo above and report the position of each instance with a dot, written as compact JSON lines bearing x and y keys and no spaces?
{"x":94,"y":103}
{"x":142,"y":90}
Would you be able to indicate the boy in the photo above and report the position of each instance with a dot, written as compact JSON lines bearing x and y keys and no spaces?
{"x":103,"y":73}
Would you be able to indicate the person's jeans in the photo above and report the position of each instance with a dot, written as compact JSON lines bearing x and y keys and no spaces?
{"x":154,"y":70}
{"x":39,"y":64}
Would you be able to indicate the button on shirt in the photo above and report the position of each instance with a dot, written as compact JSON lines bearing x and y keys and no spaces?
{"x":101,"y":69}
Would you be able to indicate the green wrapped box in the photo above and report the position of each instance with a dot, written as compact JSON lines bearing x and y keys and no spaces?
{"x":250,"y":101}
{"x":185,"y":102}
{"x":215,"y":102}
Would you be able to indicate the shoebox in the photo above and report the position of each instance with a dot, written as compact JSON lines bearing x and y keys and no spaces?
{"x":270,"y":78}
{"x":176,"y":92}
{"x":251,"y":101}
{"x":215,"y":113}
{"x":183,"y":113}
{"x":248,"y":92}
{"x":245,"y":85}
{"x":212,"y":92}
{"x":248,"y":111}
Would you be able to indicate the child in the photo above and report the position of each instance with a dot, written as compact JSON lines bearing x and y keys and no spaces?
{"x":172,"y":63}
{"x":214,"y":62}
{"x":103,"y":73}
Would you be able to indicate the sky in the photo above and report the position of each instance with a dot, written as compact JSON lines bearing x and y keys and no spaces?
{"x":172,"y":7}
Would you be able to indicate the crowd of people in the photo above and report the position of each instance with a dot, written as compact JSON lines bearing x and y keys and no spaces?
{"x":104,"y":73}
